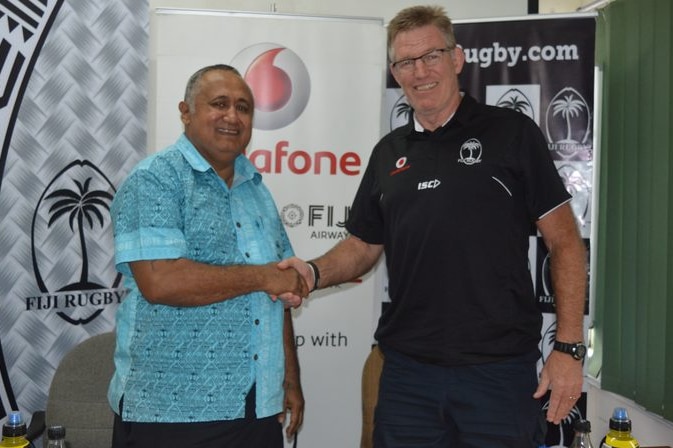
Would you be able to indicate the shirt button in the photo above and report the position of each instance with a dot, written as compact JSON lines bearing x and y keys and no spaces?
{"x":238,"y":224}
{"x":255,"y":357}
{"x":256,"y":321}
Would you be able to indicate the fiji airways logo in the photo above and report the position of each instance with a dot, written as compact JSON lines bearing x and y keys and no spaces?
{"x":71,"y":243}
{"x":279,"y":81}
{"x":324,"y":222}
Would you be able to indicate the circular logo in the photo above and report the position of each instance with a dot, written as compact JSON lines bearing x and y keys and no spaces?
{"x":292,"y":215}
{"x":470,"y":152}
{"x":279,"y":81}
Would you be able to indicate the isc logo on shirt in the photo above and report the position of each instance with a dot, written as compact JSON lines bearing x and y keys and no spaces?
{"x":428,"y":184}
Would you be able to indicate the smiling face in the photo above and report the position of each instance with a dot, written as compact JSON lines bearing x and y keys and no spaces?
{"x":432,"y":91}
{"x":219,"y":122}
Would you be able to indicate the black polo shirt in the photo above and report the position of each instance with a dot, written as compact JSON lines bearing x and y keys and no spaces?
{"x":454,"y":209}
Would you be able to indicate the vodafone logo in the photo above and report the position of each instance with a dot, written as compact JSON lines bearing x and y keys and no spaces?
{"x":279,"y":81}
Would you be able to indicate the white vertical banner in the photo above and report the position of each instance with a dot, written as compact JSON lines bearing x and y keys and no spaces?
{"x":318,"y":84}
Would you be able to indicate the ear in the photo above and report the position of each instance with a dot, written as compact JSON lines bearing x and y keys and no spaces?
{"x":458,"y":59}
{"x":184,"y":112}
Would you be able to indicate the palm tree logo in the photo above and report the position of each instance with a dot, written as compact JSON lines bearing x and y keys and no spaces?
{"x":82,"y":207}
{"x":401,"y":113}
{"x":568,"y":107}
{"x":515,"y":99}
{"x":568,"y":123}
{"x":470,"y":152}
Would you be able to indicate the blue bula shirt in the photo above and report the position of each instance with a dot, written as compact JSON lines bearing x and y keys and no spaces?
{"x":194,"y":364}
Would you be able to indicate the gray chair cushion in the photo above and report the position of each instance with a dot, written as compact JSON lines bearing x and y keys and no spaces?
{"x":78,"y":394}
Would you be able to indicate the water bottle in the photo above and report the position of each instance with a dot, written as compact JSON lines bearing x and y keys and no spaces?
{"x":14,"y":432}
{"x":582,"y":437}
{"x":619,"y":435}
{"x":56,"y":437}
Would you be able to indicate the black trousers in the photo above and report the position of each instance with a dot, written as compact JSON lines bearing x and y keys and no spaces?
{"x":247,"y":432}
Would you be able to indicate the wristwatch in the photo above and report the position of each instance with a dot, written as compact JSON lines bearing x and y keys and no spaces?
{"x":577,"y":349}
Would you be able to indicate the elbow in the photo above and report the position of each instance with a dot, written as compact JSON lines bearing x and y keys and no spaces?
{"x":152,"y":292}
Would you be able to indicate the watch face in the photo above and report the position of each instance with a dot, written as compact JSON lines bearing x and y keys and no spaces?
{"x":580,"y":351}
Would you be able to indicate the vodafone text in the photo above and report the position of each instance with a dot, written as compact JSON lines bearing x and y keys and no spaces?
{"x":486,"y":56}
{"x":299,"y":161}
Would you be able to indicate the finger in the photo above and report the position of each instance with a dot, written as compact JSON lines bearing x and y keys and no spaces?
{"x":293,"y":426}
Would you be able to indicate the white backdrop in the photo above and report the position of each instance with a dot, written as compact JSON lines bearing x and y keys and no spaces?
{"x":311,"y":144}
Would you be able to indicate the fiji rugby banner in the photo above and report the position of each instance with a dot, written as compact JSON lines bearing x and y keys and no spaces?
{"x":542,"y":66}
{"x":317,"y":83}
{"x":73,"y":118}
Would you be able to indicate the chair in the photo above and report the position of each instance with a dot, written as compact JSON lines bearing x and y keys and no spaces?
{"x":371,"y":373}
{"x":78,"y":394}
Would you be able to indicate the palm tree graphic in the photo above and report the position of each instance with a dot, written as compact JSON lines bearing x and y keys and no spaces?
{"x":467,"y":152}
{"x":568,"y":107}
{"x":514,"y":102}
{"x":79,"y":206}
{"x":403,"y":109}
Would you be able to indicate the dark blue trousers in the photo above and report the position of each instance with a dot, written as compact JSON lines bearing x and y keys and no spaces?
{"x":476,"y":406}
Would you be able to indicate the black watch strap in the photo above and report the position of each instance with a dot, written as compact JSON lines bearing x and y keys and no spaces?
{"x":575,"y":349}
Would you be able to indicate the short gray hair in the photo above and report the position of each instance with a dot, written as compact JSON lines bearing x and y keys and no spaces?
{"x":417,"y":16}
{"x":193,"y":82}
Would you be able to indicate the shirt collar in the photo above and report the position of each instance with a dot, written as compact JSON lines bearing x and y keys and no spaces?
{"x":419,"y":128}
{"x":243,"y":169}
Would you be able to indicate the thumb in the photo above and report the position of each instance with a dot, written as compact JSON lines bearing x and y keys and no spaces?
{"x":543,"y":386}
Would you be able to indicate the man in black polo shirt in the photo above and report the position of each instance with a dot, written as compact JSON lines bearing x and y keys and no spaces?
{"x":452,"y":198}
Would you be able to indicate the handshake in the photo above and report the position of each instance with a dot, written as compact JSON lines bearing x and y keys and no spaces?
{"x":291,"y":281}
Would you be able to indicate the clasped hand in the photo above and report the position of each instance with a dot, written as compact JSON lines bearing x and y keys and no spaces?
{"x":286,"y":284}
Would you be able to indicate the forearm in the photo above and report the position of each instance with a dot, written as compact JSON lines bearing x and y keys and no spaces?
{"x":292,"y":378}
{"x":569,"y":280}
{"x":346,"y":261}
{"x":184,"y":282}
{"x":568,"y":271}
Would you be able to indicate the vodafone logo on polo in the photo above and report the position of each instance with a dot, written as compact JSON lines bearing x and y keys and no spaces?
{"x":279,"y":81}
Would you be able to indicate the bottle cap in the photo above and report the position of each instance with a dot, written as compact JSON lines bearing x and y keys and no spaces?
{"x":56,"y":432}
{"x":583,"y":426}
{"x":620,"y":420}
{"x":15,"y":426}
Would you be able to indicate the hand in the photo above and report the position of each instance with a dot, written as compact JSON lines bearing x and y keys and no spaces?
{"x":287,"y":284}
{"x":563,"y":375}
{"x":294,"y":404}
{"x":301,"y":267}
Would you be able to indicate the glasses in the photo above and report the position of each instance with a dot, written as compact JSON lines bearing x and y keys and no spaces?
{"x":429,"y":59}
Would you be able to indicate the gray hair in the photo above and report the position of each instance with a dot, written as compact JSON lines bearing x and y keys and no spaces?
{"x":416,"y":17}
{"x":193,"y":82}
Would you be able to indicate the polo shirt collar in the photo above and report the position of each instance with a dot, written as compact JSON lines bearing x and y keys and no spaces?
{"x":459,"y":116}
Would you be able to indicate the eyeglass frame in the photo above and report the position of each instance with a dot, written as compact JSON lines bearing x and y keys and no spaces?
{"x":412,"y":61}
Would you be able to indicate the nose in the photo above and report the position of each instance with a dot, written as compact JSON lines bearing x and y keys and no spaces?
{"x":420,"y":69}
{"x":230,"y":113}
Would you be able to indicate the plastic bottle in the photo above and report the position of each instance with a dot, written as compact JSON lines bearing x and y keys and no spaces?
{"x":56,"y":437}
{"x":14,"y":431}
{"x":582,"y":437}
{"x":619,"y":435}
